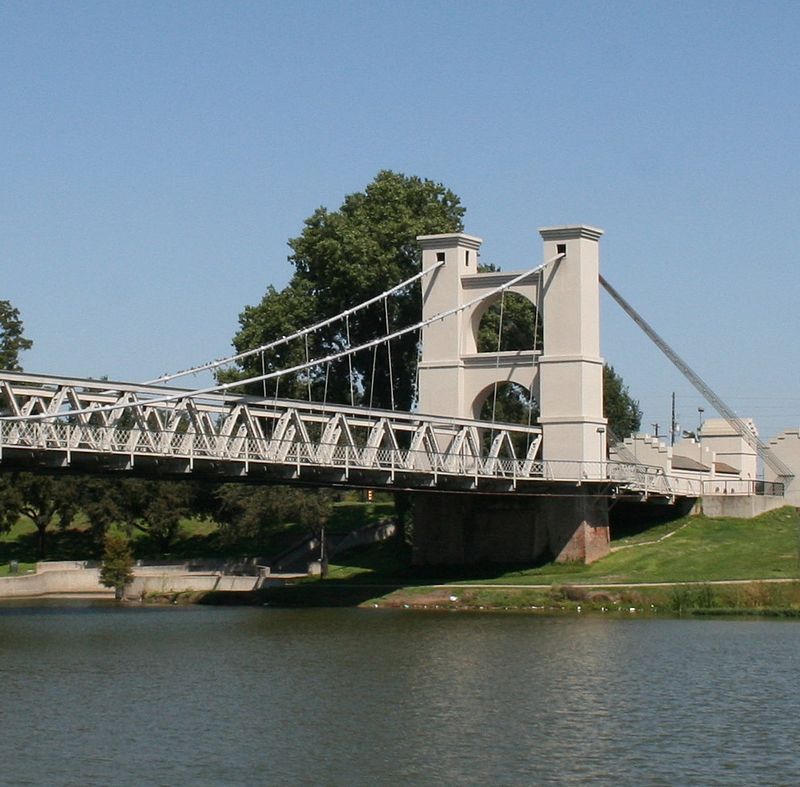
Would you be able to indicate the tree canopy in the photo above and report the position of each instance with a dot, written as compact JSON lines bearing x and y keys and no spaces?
{"x":340,"y":259}
{"x":156,"y":508}
{"x":41,"y":498}
{"x":619,"y":407}
{"x":117,"y":568}
{"x":12,"y":338}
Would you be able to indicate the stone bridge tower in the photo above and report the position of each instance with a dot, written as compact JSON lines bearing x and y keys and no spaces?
{"x":566,"y":377}
{"x":568,"y":521}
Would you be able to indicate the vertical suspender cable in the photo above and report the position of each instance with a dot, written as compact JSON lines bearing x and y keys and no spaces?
{"x":536,"y":323}
{"x":349,"y":360}
{"x":536,"y":318}
{"x":389,"y":351}
{"x":416,"y":375}
{"x":499,"y":345}
{"x":372,"y":381}
{"x":308,"y":371}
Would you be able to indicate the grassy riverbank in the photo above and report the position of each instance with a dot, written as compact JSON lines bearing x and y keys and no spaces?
{"x":697,"y":564}
{"x":719,"y":565}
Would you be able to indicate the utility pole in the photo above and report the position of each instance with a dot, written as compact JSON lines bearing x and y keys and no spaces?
{"x":673,"y":425}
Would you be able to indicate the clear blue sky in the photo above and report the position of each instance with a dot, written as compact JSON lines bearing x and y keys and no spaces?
{"x":155,"y":158}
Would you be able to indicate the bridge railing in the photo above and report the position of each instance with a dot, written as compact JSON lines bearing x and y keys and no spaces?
{"x":72,"y":438}
{"x":743,"y":486}
{"x":652,"y":480}
{"x":190,"y":446}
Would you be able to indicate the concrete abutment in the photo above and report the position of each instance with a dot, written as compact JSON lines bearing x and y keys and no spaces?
{"x":463,"y":529}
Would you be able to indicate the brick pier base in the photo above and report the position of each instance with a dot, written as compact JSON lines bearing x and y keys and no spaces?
{"x":463,"y":529}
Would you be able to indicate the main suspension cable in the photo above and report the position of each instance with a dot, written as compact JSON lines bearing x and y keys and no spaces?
{"x":164,"y":378}
{"x":224,"y":387}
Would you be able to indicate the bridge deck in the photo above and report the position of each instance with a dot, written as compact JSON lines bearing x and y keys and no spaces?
{"x":100,"y":426}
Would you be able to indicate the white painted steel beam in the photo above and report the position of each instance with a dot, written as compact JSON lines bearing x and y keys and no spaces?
{"x":239,"y":435}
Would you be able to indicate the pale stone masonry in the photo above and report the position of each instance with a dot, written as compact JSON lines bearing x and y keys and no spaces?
{"x":567,"y":378}
{"x":786,"y":446}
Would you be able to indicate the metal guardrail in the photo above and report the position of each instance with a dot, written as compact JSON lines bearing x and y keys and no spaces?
{"x":743,"y":487}
{"x":132,"y":443}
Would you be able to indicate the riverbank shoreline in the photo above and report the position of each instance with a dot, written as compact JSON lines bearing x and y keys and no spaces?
{"x":696,"y":563}
{"x":771,"y":598}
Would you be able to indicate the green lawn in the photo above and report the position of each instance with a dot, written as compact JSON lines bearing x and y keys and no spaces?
{"x":23,"y":568}
{"x":700,"y":549}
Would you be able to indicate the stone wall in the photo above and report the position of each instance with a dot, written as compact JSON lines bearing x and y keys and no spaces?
{"x":57,"y":581}
{"x":453,"y":529}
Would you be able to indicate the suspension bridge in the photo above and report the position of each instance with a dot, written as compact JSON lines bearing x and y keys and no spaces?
{"x":531,"y":488}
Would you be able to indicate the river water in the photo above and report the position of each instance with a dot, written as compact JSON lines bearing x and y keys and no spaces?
{"x":96,"y":695}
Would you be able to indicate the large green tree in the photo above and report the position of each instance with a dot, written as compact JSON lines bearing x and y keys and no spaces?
{"x":100,"y":502}
{"x":45,"y":500}
{"x":12,"y":337}
{"x":619,"y":407}
{"x":250,"y":513}
{"x":344,"y":257}
{"x":156,"y":508}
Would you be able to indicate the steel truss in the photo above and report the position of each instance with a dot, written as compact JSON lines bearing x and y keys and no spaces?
{"x":121,"y":426}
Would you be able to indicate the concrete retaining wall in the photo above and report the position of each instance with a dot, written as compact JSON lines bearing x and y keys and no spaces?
{"x":740,"y":506}
{"x":76,"y":580}
{"x":371,"y":534}
{"x":56,"y":582}
{"x":177,"y":583}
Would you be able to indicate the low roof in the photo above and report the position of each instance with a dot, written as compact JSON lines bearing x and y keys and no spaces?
{"x":686,"y":463}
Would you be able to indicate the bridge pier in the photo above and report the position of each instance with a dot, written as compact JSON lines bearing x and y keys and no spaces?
{"x":462,"y":529}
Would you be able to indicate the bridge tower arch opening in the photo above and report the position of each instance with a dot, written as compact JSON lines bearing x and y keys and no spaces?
{"x":507,"y":322}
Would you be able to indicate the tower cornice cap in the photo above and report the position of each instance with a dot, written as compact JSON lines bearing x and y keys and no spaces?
{"x":448,"y":240}
{"x":570,"y":232}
